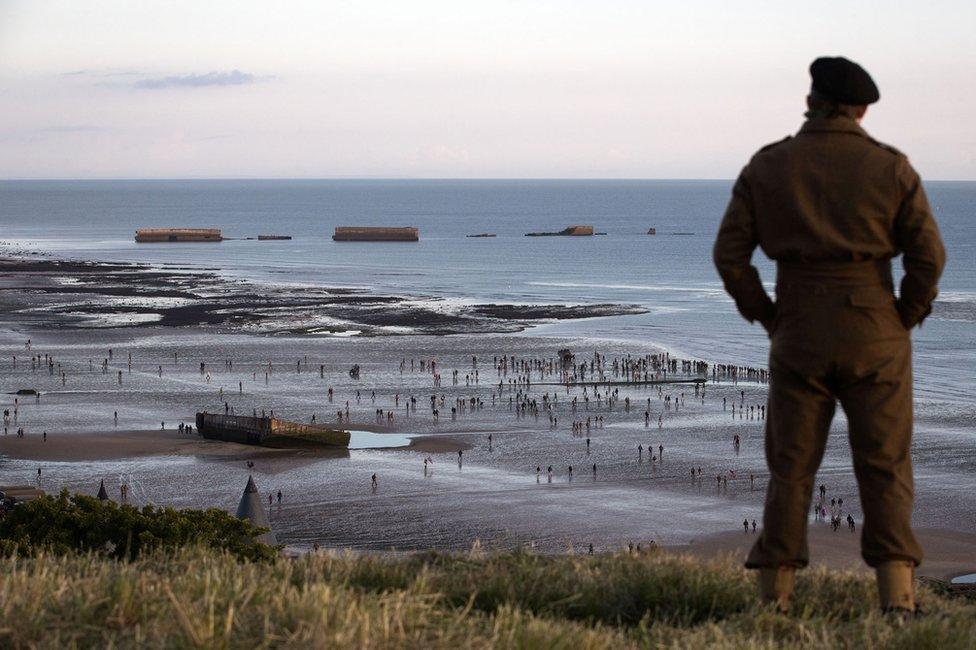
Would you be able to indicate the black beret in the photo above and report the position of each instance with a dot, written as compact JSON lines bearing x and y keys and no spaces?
{"x":843,"y":81}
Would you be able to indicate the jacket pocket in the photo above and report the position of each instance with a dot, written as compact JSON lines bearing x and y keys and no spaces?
{"x":880,"y":307}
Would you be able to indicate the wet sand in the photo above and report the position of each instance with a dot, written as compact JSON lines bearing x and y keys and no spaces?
{"x":495,"y":496}
{"x":439,"y":444}
{"x":948,"y":553}
{"x":119,"y":445}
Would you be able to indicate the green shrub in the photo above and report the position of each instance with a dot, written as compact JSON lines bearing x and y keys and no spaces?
{"x":75,"y":522}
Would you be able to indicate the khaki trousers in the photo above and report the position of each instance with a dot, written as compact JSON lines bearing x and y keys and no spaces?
{"x":832,"y":344}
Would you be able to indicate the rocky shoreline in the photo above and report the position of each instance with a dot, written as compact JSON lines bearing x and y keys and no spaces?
{"x":58,"y":294}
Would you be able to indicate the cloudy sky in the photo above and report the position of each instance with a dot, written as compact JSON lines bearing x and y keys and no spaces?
{"x":462,"y":88}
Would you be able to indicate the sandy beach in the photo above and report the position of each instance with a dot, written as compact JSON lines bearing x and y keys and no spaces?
{"x":948,"y":553}
{"x":487,"y":444}
{"x":119,"y":445}
{"x":116,"y":445}
{"x":501,"y":493}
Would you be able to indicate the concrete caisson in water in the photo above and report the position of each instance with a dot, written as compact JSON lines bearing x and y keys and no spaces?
{"x":572,"y":231}
{"x":173,"y":235}
{"x":372,"y":233}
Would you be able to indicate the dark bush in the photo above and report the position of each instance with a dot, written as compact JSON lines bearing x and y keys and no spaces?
{"x":75,"y":522}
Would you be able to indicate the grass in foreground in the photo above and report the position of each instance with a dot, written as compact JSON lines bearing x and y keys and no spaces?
{"x":205,"y":598}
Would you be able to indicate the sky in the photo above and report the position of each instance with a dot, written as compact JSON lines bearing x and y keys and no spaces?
{"x":462,"y":88}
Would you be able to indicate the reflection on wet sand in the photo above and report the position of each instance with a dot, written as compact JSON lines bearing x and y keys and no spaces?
{"x":665,"y":462}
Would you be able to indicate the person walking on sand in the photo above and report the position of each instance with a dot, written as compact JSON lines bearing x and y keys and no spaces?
{"x":832,"y":206}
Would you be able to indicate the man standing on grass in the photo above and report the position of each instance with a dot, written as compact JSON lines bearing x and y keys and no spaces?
{"x":832,"y":206}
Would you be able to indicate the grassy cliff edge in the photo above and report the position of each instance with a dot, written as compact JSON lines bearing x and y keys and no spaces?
{"x":207,"y":598}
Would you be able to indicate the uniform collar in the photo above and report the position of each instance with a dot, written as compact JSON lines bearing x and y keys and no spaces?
{"x":838,"y":124}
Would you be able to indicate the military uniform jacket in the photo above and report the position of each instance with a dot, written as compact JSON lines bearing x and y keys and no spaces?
{"x":831,"y":194}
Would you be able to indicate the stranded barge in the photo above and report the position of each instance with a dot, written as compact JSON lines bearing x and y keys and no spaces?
{"x":268,"y":432}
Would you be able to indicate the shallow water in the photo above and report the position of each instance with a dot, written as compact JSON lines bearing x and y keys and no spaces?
{"x":372,"y":440}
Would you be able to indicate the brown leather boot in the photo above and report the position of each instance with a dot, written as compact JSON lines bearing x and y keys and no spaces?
{"x":896,"y":588}
{"x":776,"y":586}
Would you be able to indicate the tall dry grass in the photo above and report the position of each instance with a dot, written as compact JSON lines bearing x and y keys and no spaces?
{"x":198,"y":598}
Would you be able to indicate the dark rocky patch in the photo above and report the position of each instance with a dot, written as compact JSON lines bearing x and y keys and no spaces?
{"x":34,"y":291}
{"x":553,"y":312}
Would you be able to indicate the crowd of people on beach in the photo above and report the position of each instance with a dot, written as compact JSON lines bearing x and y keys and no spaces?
{"x":530,"y":389}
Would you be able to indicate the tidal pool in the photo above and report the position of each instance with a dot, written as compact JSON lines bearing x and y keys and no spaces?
{"x":370,"y":440}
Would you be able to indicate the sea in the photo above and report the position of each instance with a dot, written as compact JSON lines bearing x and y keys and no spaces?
{"x":668,"y":274}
